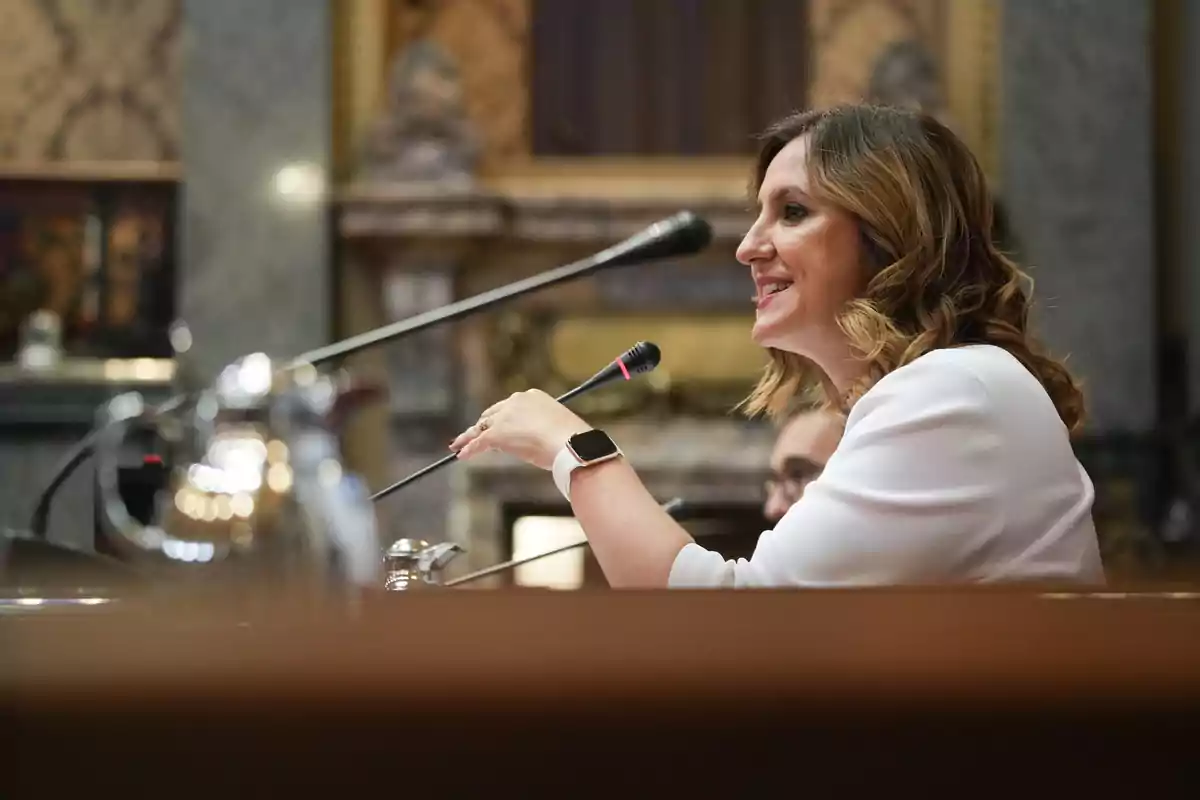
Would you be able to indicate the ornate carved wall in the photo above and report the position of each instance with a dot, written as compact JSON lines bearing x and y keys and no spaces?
{"x":849,"y":36}
{"x":935,"y":52}
{"x":490,"y":39}
{"x":89,"y":81}
{"x":860,"y":46}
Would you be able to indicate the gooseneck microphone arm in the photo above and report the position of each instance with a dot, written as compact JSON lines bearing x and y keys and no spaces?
{"x":642,"y":357}
{"x":675,"y":508}
{"x":680,"y":235}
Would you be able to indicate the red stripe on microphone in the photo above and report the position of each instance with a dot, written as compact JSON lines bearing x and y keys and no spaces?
{"x":624,"y":371}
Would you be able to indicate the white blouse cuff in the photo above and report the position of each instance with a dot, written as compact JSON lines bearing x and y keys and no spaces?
{"x":697,"y":568}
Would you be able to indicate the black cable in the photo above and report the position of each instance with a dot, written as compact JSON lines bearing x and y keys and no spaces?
{"x":82,"y":451}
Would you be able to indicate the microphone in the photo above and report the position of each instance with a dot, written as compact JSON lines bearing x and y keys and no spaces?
{"x":639,"y":359}
{"x":681,"y":234}
{"x":677,"y":508}
{"x":642,"y":357}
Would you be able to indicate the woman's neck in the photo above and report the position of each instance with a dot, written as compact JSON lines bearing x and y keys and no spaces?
{"x":843,"y":371}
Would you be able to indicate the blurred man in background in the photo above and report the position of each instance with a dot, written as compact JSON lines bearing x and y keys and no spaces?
{"x":805,"y":443}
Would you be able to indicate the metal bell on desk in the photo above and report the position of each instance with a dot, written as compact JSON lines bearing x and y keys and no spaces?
{"x":414,"y":564}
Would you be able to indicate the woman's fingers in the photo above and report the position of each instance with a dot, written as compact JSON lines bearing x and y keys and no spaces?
{"x":485,"y":419}
{"x":466,"y":437}
{"x":477,"y":445}
{"x":494,"y":408}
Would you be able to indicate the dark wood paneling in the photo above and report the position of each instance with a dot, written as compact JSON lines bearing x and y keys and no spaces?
{"x":663,"y":77}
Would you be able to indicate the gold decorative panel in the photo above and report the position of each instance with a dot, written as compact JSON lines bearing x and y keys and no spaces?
{"x":709,"y":362}
{"x":87,"y":81}
{"x":695,"y":349}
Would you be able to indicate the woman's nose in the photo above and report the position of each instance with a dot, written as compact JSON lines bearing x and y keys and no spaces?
{"x":775,"y":507}
{"x":777,"y":502}
{"x":754,"y":247}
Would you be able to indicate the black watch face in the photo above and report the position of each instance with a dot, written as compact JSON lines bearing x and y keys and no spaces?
{"x":592,"y":445}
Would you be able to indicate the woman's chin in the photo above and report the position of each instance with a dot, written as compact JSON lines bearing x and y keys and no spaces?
{"x":756,"y":336}
{"x":779,"y":334}
{"x":767,"y":332}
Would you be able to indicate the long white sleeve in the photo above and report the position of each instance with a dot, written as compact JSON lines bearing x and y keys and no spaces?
{"x":953,"y":468}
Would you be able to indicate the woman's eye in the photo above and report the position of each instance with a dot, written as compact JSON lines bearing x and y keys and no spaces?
{"x":794,"y":212}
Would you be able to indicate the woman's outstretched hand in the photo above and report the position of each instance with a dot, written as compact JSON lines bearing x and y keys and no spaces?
{"x":530,"y":425}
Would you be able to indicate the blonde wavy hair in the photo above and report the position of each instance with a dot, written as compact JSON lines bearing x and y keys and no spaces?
{"x":935,"y":275}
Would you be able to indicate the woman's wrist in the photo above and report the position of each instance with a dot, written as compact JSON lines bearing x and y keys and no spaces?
{"x":590,"y":472}
{"x":582,"y":451}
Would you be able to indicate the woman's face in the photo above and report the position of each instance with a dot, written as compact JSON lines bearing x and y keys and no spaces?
{"x":806,"y":260}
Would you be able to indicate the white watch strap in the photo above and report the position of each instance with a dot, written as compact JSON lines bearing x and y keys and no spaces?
{"x":564,"y":464}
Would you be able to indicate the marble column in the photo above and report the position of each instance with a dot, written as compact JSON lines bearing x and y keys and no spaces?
{"x":256,"y":152}
{"x":1077,"y":146}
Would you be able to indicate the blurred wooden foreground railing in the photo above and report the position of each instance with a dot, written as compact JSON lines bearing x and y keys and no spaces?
{"x":629,"y":691}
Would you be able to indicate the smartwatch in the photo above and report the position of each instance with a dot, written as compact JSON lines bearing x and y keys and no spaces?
{"x":581,"y":450}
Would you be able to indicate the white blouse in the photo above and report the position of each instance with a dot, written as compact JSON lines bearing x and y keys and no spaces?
{"x":954,"y":468}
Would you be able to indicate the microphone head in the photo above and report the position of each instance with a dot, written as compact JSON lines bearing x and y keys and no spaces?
{"x":681,"y":234}
{"x":688,"y":231}
{"x":641,"y":358}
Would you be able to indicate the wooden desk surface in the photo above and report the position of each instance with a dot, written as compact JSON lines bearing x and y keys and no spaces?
{"x":1068,"y":646}
{"x":616,"y":686}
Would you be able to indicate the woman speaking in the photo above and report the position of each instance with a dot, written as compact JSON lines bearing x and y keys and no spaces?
{"x":877,"y":278}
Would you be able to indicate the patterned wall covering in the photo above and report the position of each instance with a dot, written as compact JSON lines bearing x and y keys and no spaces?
{"x":89,"y":80}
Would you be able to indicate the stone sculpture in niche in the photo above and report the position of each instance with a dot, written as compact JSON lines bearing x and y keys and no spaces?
{"x":907,"y":75}
{"x":424,"y":134}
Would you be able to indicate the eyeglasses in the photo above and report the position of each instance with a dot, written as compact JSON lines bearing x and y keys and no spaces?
{"x":794,"y":478}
